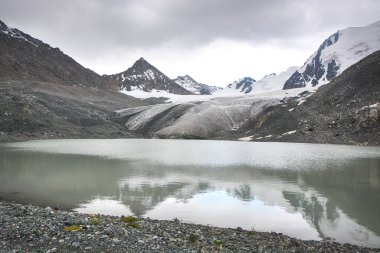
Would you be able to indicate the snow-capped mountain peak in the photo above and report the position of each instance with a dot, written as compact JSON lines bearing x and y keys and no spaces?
{"x":144,"y":76}
{"x":339,"y":51}
{"x":190,"y":84}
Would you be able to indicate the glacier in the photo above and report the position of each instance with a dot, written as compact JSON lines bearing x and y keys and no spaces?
{"x":200,"y":119}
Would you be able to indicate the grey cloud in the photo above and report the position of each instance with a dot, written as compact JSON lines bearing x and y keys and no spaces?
{"x":92,"y":26}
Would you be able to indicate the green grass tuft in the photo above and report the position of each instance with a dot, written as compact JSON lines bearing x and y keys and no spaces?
{"x":129,"y":219}
{"x":72,"y":228}
{"x":95,"y":221}
{"x":193,"y":238}
{"x":217,"y":243}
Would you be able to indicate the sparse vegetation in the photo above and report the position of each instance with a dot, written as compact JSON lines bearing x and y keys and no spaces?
{"x":131,"y":221}
{"x":217,"y":243}
{"x":72,"y":228}
{"x":193,"y":238}
{"x":95,"y":219}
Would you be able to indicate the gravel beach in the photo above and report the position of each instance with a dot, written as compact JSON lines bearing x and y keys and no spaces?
{"x":27,"y":228}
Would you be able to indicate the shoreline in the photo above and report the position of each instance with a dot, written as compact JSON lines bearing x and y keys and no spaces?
{"x":29,"y":228}
{"x":24,"y":139}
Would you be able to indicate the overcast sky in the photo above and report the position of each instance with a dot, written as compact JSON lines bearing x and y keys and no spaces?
{"x":214,"y":41}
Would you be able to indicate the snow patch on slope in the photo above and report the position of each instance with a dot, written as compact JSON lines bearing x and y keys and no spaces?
{"x":353,"y":44}
{"x":197,"y":88}
{"x":13,"y":32}
{"x":188,"y":83}
{"x":273,"y":82}
{"x":149,"y":74}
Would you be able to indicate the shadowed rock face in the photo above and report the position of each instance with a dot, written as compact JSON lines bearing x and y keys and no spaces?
{"x":142,"y":75}
{"x":244,"y":84}
{"x":314,"y":70}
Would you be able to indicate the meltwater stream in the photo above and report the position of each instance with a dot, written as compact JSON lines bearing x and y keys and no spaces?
{"x":308,"y":191}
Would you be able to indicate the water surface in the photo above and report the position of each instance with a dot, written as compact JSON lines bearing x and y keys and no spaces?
{"x":308,"y":191}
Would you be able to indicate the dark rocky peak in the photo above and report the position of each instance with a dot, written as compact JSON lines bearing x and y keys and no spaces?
{"x":13,"y":33}
{"x":244,"y":84}
{"x":23,"y":57}
{"x":142,"y":64}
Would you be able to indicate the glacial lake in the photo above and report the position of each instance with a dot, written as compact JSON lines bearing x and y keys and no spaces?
{"x":307,"y":191}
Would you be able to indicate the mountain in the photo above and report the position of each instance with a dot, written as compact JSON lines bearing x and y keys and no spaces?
{"x":26,"y":58}
{"x":273,"y":82}
{"x":243,"y":85}
{"x":337,"y":53}
{"x":46,"y":94}
{"x":144,"y":76}
{"x":193,"y":86}
{"x":346,"y":110}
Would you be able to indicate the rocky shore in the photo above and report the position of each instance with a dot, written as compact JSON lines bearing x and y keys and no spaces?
{"x":26,"y":228}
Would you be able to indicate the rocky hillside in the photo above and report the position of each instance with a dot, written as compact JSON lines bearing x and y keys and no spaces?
{"x":144,"y":76}
{"x":347,"y":110}
{"x":26,"y":58}
{"x":337,"y":53}
{"x":193,"y":86}
{"x":31,"y":110}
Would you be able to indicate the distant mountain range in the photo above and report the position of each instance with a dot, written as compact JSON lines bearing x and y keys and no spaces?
{"x":271,"y":82}
{"x":46,"y":94}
